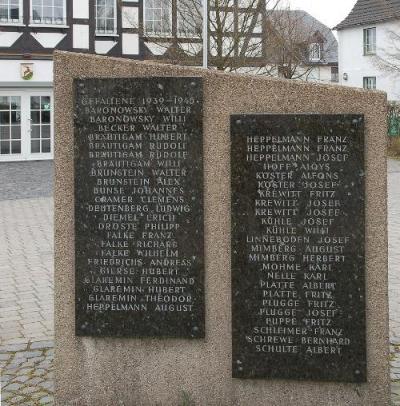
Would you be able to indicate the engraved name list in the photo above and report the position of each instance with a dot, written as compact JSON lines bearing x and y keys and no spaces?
{"x":298,"y":247}
{"x":139,"y":207}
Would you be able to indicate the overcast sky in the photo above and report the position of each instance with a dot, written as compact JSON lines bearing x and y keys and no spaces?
{"x":330,"y":12}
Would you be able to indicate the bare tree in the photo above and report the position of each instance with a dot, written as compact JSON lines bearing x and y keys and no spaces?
{"x":245,"y":35}
{"x":295,"y":44}
{"x":388,"y":58}
{"x":235,"y":30}
{"x":237,"y":37}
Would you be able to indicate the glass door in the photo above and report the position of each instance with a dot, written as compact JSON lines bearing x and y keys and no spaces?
{"x":10,"y":127}
{"x":40,"y":125}
{"x":26,"y":125}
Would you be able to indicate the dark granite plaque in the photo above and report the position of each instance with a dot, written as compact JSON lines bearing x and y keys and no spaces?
{"x":298,"y":268}
{"x":139,"y":207}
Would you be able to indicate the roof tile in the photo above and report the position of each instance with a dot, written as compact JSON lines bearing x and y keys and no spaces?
{"x":371,"y":11}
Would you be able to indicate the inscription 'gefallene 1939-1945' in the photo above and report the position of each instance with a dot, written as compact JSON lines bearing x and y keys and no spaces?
{"x":298,"y":247}
{"x":139,"y":207}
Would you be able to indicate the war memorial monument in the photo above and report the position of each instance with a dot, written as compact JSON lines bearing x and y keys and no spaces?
{"x":219,"y":238}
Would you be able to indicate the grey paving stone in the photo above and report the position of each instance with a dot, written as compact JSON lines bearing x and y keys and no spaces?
{"x":28,"y":364}
{"x":28,"y":389}
{"x":34,"y":381}
{"x":13,"y":371}
{"x":47,"y":400}
{"x":38,"y":395}
{"x":7,"y":395}
{"x":33,"y":354}
{"x":8,"y":303}
{"x":38,"y":360}
{"x":40,"y":372}
{"x":24,"y":180}
{"x":12,"y":386}
{"x":26,"y":371}
{"x":6,"y":378}
{"x":20,"y":355}
{"x":21,"y":378}
{"x":16,"y":400}
{"x":48,"y":385}
{"x":16,"y":363}
{"x":45,"y":365}
{"x":50,"y":352}
{"x":13,"y":347}
{"x":26,"y":268}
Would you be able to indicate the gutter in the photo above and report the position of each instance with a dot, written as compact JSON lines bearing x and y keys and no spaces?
{"x":339,"y":27}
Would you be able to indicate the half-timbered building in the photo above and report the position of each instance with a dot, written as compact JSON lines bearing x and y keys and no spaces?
{"x":30,"y":30}
{"x":165,"y":30}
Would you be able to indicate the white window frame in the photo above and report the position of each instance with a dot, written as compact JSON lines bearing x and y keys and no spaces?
{"x":369,"y":82}
{"x":26,"y":153}
{"x":315,"y":46}
{"x":163,"y":31}
{"x":21,"y":15}
{"x":369,"y":41}
{"x":40,"y":126}
{"x":8,"y":126}
{"x":53,"y":23}
{"x":115,"y":28}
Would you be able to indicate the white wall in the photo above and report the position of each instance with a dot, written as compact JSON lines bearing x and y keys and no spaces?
{"x":11,"y":71}
{"x":81,"y":8}
{"x":353,"y":62}
{"x":80,"y":33}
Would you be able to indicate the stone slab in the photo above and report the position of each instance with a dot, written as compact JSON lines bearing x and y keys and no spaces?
{"x":298,"y":236}
{"x":139,"y":207}
{"x":92,"y":371}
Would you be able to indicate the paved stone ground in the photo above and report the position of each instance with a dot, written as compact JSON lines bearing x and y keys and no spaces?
{"x":27,"y":378}
{"x":26,"y":282}
{"x":394,"y":275}
{"x":26,"y":180}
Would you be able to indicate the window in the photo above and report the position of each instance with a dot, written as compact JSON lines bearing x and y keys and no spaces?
{"x":222,"y":21}
{"x":369,"y":82}
{"x":157,"y":16}
{"x":48,"y":12}
{"x":40,"y":124}
{"x":315,"y":52}
{"x":369,"y":41}
{"x":334,"y":74}
{"x":245,"y":20}
{"x":222,"y":3}
{"x":10,"y":125}
{"x":106,"y":17}
{"x":248,"y":4}
{"x":10,"y":11}
{"x":190,"y":19}
{"x":251,"y":48}
{"x":227,"y":46}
